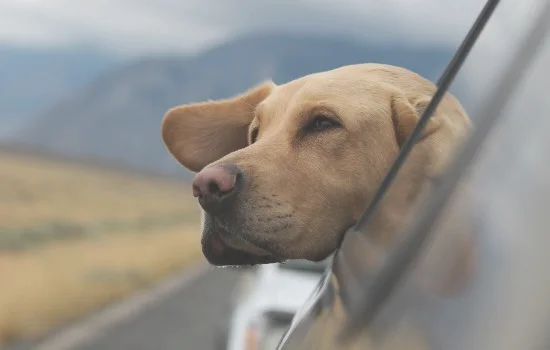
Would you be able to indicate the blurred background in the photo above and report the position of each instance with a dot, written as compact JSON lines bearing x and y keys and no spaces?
{"x":93,"y":208}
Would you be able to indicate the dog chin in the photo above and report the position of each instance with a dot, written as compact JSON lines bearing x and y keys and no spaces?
{"x":221,"y":248}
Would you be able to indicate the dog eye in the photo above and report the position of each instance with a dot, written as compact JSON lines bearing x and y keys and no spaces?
{"x":253,"y":135}
{"x":321,"y":123}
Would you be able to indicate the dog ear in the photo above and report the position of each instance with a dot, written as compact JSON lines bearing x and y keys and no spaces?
{"x":198,"y":134}
{"x":406,"y":115}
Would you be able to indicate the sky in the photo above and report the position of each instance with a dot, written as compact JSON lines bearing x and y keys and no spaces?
{"x":145,"y":27}
{"x":136,"y":26}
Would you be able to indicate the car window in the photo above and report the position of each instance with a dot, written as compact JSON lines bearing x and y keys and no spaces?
{"x":502,"y":303}
{"x":503,"y":203}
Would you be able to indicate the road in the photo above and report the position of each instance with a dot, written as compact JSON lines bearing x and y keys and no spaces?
{"x":186,"y":318}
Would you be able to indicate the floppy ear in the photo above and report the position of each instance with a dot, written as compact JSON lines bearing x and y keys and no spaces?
{"x":406,"y":115}
{"x":198,"y":134}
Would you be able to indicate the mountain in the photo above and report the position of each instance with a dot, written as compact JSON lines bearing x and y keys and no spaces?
{"x":117,"y":117}
{"x":33,"y":78}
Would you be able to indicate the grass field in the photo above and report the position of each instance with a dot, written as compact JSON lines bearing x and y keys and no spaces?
{"x":75,"y":237}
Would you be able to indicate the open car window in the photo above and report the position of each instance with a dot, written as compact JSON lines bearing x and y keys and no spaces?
{"x":497,"y":200}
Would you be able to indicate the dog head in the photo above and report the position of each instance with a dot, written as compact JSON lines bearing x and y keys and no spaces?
{"x":283,"y":171}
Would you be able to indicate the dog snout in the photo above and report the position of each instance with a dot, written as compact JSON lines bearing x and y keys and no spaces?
{"x":214,"y":185}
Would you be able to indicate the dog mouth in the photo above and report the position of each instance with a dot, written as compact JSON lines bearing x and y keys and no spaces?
{"x":221,"y":247}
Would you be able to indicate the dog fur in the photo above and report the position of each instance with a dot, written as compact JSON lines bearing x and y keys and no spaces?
{"x":306,"y":181}
{"x":302,"y":189}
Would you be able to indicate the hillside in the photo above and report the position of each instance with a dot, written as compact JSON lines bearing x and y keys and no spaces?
{"x":74,"y":237}
{"x":45,"y":196}
{"x":32,"y":78}
{"x":117,"y":117}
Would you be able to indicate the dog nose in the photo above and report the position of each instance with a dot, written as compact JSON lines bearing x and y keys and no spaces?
{"x":213,"y":184}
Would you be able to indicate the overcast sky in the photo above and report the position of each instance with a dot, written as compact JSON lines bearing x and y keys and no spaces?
{"x":136,"y":27}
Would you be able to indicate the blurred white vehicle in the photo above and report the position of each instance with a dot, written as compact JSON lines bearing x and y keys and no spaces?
{"x":265,"y":302}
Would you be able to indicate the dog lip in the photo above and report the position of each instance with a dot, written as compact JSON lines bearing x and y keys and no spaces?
{"x":240,"y":243}
{"x":220,"y":252}
{"x":233,"y":256}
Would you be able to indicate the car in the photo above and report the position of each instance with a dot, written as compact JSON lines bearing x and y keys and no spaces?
{"x":505,"y":167}
{"x":265,"y":301}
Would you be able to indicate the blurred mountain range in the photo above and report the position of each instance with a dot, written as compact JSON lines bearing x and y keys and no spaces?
{"x":31,"y":79}
{"x":116,"y":116}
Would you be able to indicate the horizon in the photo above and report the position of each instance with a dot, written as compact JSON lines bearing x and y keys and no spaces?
{"x":94,"y":41}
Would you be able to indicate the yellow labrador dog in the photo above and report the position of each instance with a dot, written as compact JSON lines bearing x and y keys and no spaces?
{"x":284,"y":170}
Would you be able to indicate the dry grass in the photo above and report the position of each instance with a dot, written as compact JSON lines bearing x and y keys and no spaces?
{"x":61,"y":282}
{"x":126,"y":231}
{"x":34,"y":191}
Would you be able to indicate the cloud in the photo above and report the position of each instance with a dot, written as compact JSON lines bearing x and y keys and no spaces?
{"x":130,"y":27}
{"x":139,"y":26}
{"x":136,"y":27}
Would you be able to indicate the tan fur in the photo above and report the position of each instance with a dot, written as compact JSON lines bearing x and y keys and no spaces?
{"x":304,"y":190}
{"x":212,"y":129}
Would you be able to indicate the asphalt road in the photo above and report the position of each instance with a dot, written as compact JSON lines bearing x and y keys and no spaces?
{"x":187,"y":319}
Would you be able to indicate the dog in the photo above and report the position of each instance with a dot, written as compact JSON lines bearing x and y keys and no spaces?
{"x":284,"y":170}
